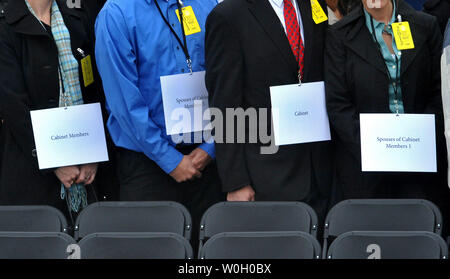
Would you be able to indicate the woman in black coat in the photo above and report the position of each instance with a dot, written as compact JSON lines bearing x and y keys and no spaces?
{"x":29,"y":80}
{"x":357,"y":82}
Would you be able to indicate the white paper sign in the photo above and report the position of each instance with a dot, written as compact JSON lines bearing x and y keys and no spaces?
{"x":185,"y":101}
{"x":69,"y":136}
{"x":299,"y":113}
{"x":403,"y":143}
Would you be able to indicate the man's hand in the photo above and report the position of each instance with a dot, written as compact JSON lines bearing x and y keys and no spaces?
{"x":243,"y":194}
{"x":185,"y":170}
{"x":200,"y":158}
{"x":67,"y":175}
{"x":87,"y":174}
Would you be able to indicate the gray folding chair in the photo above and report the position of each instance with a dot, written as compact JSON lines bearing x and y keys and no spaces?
{"x":35,"y":245}
{"x":40,"y":218}
{"x":133,"y":217}
{"x":381,"y":215}
{"x":257,"y":216}
{"x":135,"y":246}
{"x":388,"y":245}
{"x":261,"y":245}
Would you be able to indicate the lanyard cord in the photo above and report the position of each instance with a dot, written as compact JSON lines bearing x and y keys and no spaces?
{"x":395,"y":84}
{"x":183,"y":46}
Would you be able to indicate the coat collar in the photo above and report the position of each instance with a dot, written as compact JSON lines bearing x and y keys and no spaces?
{"x":361,"y":42}
{"x":22,"y":21}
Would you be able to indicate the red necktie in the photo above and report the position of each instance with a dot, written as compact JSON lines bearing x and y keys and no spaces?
{"x":293,"y":33}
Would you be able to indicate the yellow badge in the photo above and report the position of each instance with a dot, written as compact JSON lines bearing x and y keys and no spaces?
{"x":318,"y":14}
{"x":86,"y":67}
{"x":191,"y":25}
{"x":402,"y":35}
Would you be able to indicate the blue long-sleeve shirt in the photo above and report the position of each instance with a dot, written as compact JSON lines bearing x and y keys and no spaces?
{"x":134,"y":48}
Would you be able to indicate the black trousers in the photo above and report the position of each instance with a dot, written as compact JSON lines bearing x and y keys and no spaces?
{"x":141,"y":179}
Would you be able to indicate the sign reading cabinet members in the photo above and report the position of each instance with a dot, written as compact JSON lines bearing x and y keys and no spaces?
{"x":299,"y":113}
{"x":185,"y":102}
{"x":398,"y":143}
{"x":69,"y":136}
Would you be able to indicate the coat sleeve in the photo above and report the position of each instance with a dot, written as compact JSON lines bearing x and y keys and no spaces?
{"x":225,"y":84}
{"x":15,"y":102}
{"x":434,"y":104}
{"x":341,"y":109}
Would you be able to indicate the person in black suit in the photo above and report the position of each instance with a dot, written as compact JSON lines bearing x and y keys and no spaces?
{"x":247,"y":52}
{"x":357,"y":82}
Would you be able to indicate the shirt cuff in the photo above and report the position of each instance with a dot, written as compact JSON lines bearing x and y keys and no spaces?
{"x":209,"y":148}
{"x":170,"y":160}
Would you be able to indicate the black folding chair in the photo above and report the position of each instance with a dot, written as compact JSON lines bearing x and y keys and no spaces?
{"x":135,"y":246}
{"x":257,"y":217}
{"x":32,"y":219}
{"x":261,"y":245}
{"x":381,"y":215}
{"x":388,"y":245}
{"x":35,"y":245}
{"x":133,"y":217}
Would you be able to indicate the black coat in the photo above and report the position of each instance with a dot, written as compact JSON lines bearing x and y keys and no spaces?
{"x":247,"y":51}
{"x":29,"y":81}
{"x":440,"y":9}
{"x":356,"y":82}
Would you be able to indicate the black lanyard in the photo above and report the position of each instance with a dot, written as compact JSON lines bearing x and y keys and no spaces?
{"x":183,"y":46}
{"x":395,"y":83}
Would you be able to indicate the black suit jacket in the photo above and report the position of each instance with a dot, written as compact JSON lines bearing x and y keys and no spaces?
{"x":247,"y":51}
{"x":356,"y":82}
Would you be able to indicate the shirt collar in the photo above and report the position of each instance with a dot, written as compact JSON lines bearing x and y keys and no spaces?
{"x":279,"y":3}
{"x":378,"y":24}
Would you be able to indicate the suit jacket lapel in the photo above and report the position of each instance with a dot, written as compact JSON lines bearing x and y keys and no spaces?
{"x":419,"y":37}
{"x":361,"y":42}
{"x":308,"y":31}
{"x":267,"y":18}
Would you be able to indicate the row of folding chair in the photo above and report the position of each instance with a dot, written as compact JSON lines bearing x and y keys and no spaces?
{"x":56,"y":245}
{"x":367,"y":224}
{"x":232,"y":245}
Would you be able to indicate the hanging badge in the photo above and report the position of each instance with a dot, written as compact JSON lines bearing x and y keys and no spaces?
{"x":402,"y":35}
{"x":191,"y":25}
{"x":86,"y":67}
{"x":318,"y":14}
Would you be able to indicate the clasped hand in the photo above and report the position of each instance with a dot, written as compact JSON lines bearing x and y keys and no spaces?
{"x":77,"y":174}
{"x":191,"y":166}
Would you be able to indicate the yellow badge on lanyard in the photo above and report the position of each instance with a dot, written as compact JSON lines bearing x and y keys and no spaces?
{"x":402,"y":35}
{"x":86,"y":67}
{"x":318,"y":14}
{"x":191,"y":25}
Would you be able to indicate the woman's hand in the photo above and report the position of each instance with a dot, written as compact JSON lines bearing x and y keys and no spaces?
{"x":68,"y":175}
{"x":87,"y":173}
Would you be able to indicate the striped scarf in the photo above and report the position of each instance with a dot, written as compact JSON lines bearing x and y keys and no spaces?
{"x":70,"y":90}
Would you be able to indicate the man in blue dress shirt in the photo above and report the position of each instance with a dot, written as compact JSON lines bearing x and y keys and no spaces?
{"x":135,"y":47}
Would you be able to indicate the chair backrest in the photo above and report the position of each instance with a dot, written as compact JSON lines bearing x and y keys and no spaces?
{"x":133,"y":217}
{"x":388,"y":245}
{"x":32,"y":219}
{"x":383,"y":215}
{"x":261,"y":245}
{"x":257,"y":216}
{"x":135,"y":246}
{"x":35,"y":245}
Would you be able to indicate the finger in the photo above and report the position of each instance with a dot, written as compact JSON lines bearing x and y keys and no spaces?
{"x":67,"y":184}
{"x":198,"y":174}
{"x":81,"y":177}
{"x":91,"y":179}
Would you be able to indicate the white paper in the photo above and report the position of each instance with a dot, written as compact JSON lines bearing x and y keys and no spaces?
{"x":398,"y":143}
{"x":299,"y":113}
{"x":185,"y":101}
{"x":69,"y":136}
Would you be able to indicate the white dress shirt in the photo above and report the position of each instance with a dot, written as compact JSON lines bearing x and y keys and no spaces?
{"x":278,"y":7}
